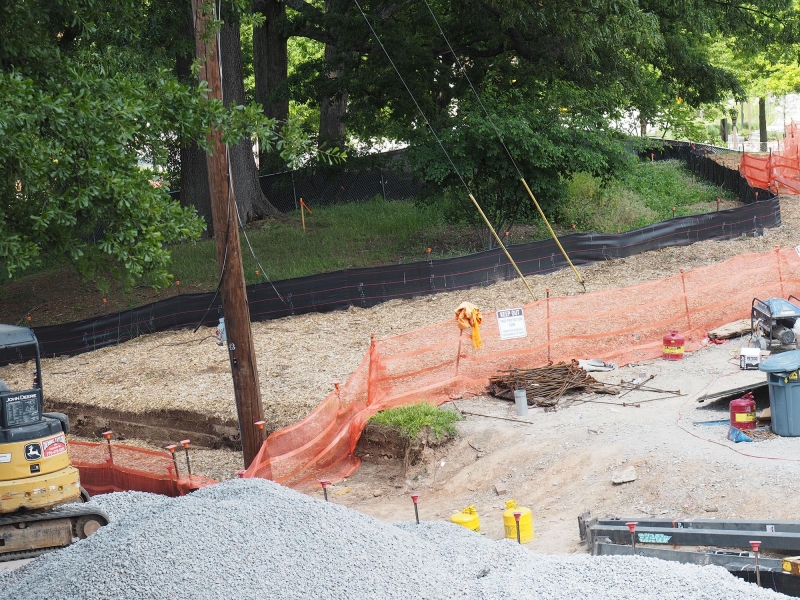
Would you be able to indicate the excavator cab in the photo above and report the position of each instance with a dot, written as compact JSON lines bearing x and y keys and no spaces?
{"x":36,"y":473}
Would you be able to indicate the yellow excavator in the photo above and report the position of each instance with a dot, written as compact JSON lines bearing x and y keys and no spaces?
{"x":40,"y":492}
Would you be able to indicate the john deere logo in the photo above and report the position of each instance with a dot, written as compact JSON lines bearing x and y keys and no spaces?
{"x":33,"y":451}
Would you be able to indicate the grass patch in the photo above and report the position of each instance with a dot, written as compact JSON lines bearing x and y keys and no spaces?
{"x":411,"y":419}
{"x":357,"y":235}
{"x":643,"y":195}
{"x":338,"y":237}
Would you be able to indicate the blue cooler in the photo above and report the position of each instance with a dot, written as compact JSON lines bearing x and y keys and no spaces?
{"x":784,"y":392}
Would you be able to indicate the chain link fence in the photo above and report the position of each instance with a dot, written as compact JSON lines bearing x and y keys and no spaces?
{"x":362,"y":178}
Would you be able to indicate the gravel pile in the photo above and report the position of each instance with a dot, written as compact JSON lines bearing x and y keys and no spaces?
{"x":255,"y":539}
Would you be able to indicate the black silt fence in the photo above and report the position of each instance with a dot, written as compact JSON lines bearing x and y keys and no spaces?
{"x":370,"y":286}
{"x":316,"y":189}
{"x":362,"y":178}
{"x":699,"y":159}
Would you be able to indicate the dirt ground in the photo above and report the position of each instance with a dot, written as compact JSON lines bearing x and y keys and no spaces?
{"x":560,"y":463}
{"x":298,"y":357}
{"x":556,"y":463}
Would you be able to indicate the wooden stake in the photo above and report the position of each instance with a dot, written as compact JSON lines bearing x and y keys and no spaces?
{"x":226,"y":233}
{"x":304,"y":206}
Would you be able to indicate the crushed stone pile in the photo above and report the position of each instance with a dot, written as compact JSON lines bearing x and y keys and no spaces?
{"x":252,"y":538}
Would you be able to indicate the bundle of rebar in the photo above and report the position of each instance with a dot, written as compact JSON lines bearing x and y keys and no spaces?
{"x":545,"y":386}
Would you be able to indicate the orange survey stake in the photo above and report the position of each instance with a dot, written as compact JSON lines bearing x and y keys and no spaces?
{"x":303,"y":205}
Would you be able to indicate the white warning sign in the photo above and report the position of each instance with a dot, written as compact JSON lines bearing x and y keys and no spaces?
{"x":511,"y":323}
{"x":54,"y":445}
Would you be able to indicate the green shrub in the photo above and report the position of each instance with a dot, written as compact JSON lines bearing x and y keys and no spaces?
{"x":643,"y":195}
{"x":411,"y":419}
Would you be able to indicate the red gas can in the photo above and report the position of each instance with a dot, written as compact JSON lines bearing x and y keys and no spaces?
{"x":743,"y":412}
{"x":673,"y":345}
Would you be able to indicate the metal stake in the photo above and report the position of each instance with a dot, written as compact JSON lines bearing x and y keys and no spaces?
{"x":185,"y":444}
{"x":171,"y":449}
{"x":632,"y":526}
{"x":107,"y":435}
{"x":415,"y":498}
{"x":324,"y":483}
{"x":755,"y":545}
{"x":517,"y":515}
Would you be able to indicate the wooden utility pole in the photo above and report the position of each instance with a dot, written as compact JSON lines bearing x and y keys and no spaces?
{"x":229,"y":258}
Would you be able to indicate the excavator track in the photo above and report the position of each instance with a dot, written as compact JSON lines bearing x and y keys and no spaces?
{"x":28,"y":535}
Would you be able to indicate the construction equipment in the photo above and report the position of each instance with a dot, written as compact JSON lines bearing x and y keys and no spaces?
{"x":728,"y":543}
{"x":36,"y":474}
{"x":773,"y":321}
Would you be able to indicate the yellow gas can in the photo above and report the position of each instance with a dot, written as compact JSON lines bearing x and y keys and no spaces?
{"x":525,"y":522}
{"x":468,"y":518}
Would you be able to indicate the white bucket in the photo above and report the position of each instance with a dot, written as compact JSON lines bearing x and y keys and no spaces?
{"x":521,"y":402}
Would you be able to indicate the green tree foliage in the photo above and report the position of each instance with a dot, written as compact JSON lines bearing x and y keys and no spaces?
{"x":88,"y":109}
{"x":79,"y":127}
{"x":556,"y":76}
{"x":548,"y":144}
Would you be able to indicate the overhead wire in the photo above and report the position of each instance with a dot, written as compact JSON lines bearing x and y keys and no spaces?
{"x":255,"y":258}
{"x":228,"y":167}
{"x":502,"y":142}
{"x":447,"y":155}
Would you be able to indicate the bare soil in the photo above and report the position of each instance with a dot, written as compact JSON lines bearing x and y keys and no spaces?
{"x":560,"y":463}
{"x":298,"y":357}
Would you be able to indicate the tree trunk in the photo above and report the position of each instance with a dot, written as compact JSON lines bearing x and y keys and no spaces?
{"x":332,"y":108}
{"x":194,"y":173}
{"x":762,"y":122}
{"x":271,"y":67}
{"x":331,"y":111}
{"x":642,"y":127}
{"x":250,"y":199}
{"x":194,"y":183}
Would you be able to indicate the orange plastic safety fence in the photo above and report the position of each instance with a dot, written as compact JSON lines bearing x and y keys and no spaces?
{"x":125,"y":468}
{"x":439,"y":362}
{"x":780,"y":171}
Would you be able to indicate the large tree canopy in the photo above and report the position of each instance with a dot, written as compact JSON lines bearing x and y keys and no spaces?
{"x":90,"y":100}
{"x":555,"y":76}
{"x":79,"y":129}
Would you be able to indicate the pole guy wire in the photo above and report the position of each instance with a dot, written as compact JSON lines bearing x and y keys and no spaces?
{"x":447,"y":155}
{"x":508,"y":152}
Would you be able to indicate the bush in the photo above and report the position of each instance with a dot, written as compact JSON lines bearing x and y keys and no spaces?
{"x":411,"y":419}
{"x":643,"y":195}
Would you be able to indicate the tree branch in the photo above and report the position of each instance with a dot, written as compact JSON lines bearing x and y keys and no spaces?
{"x":749,"y":9}
{"x":311,"y":32}
{"x":306,"y":9}
{"x":466,"y":50}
